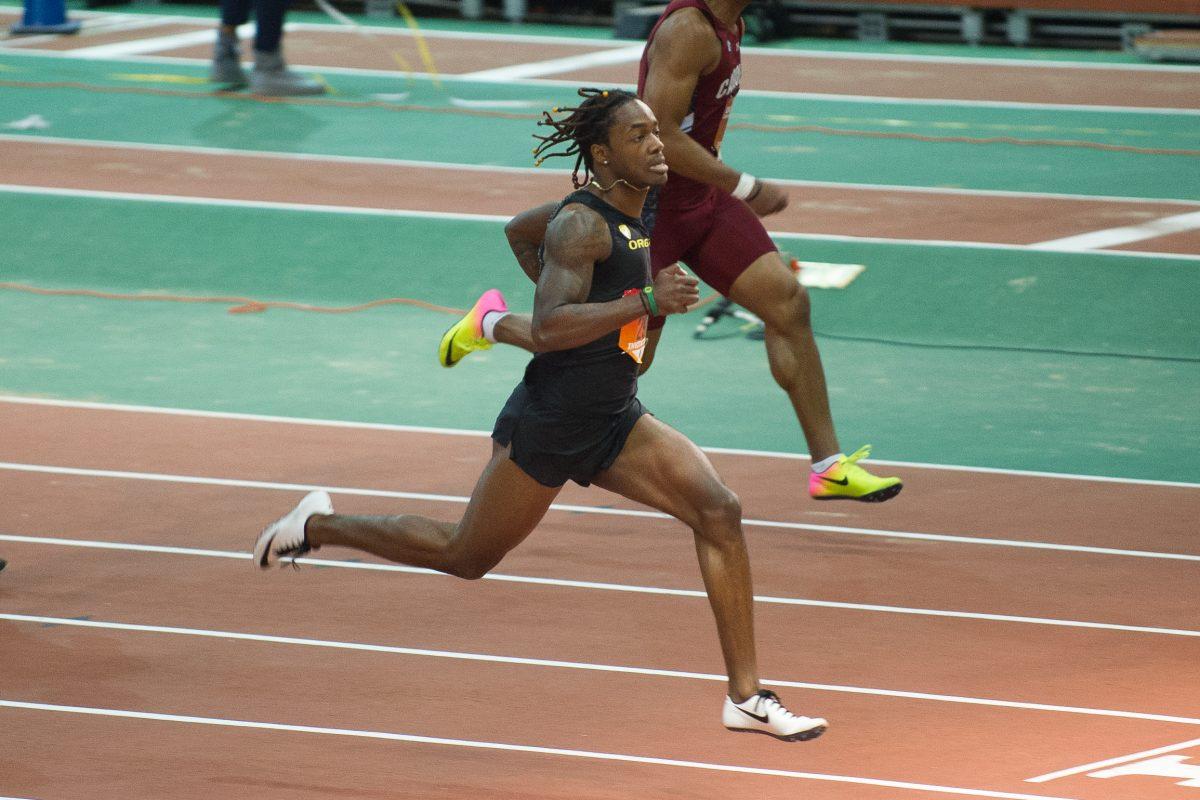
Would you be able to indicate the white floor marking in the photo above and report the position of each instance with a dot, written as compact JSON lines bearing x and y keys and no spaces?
{"x":1114,"y":237}
{"x":119,"y":50}
{"x":624,"y":55}
{"x":832,"y":237}
{"x":576,"y":665}
{"x":442,"y":165}
{"x":141,"y":197}
{"x":1062,"y":773}
{"x":265,"y":204}
{"x":380,"y":426}
{"x":519,"y":748}
{"x":610,"y":587}
{"x":917,"y":101}
{"x":1173,"y":767}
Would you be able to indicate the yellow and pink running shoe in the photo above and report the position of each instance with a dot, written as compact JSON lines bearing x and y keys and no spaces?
{"x":846,"y":480}
{"x":466,"y":335}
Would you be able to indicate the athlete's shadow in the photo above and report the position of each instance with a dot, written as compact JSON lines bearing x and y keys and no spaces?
{"x":244,"y":122}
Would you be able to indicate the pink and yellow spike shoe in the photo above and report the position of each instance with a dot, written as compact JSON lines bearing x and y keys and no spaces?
{"x":466,"y":335}
{"x":846,"y":480}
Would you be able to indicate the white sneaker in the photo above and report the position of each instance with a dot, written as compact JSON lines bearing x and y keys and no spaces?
{"x":285,"y":537}
{"x":763,"y":713}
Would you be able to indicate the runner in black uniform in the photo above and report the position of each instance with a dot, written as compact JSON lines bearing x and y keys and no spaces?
{"x":570,"y":416}
{"x":690,"y":75}
{"x":576,"y":415}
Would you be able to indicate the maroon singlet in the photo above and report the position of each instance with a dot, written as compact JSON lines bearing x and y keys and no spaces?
{"x":711,"y":102}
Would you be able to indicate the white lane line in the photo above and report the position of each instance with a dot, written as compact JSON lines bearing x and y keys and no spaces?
{"x":1062,"y":773}
{"x":624,"y":55}
{"x":382,"y":426}
{"x":904,"y":101}
{"x":1113,"y":237}
{"x":441,"y":165}
{"x":118,"y":50}
{"x":833,"y":237}
{"x":610,"y":587}
{"x":519,"y":748}
{"x":264,"y":204}
{"x":574,"y":84}
{"x":749,"y":522}
{"x":1034,"y":63}
{"x":576,"y":665}
{"x":404,"y":213}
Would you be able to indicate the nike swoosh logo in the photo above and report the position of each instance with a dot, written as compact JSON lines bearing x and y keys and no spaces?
{"x":752,"y":715}
{"x":842,"y":482}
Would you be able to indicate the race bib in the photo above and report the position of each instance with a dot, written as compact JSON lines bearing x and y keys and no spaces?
{"x":633,"y":334}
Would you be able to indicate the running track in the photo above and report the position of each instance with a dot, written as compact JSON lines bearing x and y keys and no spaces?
{"x":1002,"y":628}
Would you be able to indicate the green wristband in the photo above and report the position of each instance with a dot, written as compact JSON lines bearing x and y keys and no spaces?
{"x":651,"y":303}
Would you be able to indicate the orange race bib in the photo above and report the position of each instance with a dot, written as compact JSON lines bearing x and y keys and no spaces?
{"x":633,"y":334}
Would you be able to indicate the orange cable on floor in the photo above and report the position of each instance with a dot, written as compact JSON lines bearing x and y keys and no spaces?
{"x":241,"y":305}
{"x":246,"y":305}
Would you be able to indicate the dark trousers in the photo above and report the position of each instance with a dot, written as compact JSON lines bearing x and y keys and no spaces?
{"x":268,"y":20}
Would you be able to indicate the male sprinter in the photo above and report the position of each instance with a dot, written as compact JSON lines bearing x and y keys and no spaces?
{"x":576,"y":415}
{"x":706,"y":217}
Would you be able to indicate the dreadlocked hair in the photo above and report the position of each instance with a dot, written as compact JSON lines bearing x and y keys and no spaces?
{"x":582,"y":127}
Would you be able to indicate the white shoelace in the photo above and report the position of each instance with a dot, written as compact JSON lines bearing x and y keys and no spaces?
{"x":768,"y":699}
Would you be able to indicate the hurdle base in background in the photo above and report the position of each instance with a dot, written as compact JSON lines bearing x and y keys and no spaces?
{"x":42,"y":17}
{"x":1178,"y":45}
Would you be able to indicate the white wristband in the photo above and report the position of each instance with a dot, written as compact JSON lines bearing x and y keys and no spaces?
{"x":745,"y":186}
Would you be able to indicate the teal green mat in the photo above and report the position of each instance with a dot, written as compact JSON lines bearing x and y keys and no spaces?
{"x":443,"y":132}
{"x":1019,"y":409}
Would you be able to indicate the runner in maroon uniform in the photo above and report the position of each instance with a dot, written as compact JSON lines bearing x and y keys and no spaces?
{"x":707,"y":217}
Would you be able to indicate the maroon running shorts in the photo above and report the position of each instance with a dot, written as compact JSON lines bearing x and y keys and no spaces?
{"x":717,"y":239}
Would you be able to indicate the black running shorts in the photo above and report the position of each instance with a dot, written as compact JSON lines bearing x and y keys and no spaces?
{"x":552,"y":447}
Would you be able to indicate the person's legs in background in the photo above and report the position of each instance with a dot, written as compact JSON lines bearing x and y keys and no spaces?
{"x":227,"y":63}
{"x":270,"y":76}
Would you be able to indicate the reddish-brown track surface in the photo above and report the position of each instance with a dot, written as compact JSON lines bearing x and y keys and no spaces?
{"x":778,"y":71}
{"x":874,"y":735}
{"x":923,"y":741}
{"x":94,"y":38}
{"x":782,"y":71}
{"x":831,"y":210}
{"x":912,"y":79}
{"x":848,"y":211}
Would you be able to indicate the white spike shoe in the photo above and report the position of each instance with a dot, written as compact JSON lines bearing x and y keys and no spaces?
{"x":284,"y":538}
{"x":763,"y":713}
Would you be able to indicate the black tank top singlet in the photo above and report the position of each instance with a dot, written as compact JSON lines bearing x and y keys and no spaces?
{"x":600,"y":377}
